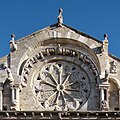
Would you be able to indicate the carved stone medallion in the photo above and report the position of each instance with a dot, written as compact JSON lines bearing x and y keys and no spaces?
{"x":61,"y":85}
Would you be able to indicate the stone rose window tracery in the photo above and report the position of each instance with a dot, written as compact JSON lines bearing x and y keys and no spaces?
{"x":61,"y":85}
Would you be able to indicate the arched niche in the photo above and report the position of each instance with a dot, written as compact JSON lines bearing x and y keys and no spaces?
{"x":69,"y":43}
{"x":114,"y":94}
{"x":75,"y":56}
{"x":6,"y":96}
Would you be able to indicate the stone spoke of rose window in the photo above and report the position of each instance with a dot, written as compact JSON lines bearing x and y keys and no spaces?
{"x":52,"y":96}
{"x":70,"y":89}
{"x":69,"y":95}
{"x":63,"y":97}
{"x":72,"y":83}
{"x":49,"y":90}
{"x":60,"y":75}
{"x":48,"y":83}
{"x":57,"y":98}
{"x":51,"y":77}
{"x":66,"y":79}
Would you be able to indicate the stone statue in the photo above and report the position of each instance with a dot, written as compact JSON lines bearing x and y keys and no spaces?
{"x":14,"y":105}
{"x":105,"y":36}
{"x":105,"y":44}
{"x":9,"y":73}
{"x":113,"y":67}
{"x":106,"y":74}
{"x":14,"y":45}
{"x":105,"y":105}
{"x":60,"y":17}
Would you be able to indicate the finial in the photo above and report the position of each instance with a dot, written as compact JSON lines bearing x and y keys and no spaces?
{"x":60,"y":17}
{"x":105,"y":36}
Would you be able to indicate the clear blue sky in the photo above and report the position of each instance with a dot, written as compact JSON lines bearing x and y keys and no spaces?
{"x":94,"y":17}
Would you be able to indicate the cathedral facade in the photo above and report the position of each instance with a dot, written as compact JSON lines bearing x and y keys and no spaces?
{"x":59,"y":72}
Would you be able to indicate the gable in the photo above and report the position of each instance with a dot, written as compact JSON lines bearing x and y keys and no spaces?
{"x":54,"y":34}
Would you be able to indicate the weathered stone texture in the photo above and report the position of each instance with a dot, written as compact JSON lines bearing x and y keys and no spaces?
{"x":60,"y":69}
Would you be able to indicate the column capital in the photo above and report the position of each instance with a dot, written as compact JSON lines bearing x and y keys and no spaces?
{"x":104,"y":85}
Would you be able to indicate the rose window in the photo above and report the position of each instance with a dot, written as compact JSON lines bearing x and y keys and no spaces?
{"x":61,"y":86}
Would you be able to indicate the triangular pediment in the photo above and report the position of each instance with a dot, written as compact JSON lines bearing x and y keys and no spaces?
{"x":67,"y":32}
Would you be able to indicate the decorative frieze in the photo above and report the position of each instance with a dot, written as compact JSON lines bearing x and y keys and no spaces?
{"x":56,"y":50}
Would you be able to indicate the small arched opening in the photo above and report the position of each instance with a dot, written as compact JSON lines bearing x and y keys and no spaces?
{"x":114,"y":95}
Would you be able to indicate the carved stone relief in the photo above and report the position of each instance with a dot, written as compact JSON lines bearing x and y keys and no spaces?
{"x":58,"y":50}
{"x":61,"y":86}
{"x":105,"y":105}
{"x":113,"y":67}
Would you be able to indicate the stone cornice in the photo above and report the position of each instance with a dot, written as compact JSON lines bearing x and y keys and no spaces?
{"x":48,"y":115}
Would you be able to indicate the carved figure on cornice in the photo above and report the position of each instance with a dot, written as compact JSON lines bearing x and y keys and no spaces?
{"x":59,"y":49}
{"x":52,"y":50}
{"x":9,"y":73}
{"x":14,"y":104}
{"x":60,"y":17}
{"x":113,"y":67}
{"x":14,"y":45}
{"x":104,"y":47}
{"x":106,"y":74}
{"x":105,"y":105}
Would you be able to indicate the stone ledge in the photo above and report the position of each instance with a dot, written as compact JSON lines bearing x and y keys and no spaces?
{"x":59,"y":115}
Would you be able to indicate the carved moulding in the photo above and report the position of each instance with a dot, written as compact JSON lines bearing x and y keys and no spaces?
{"x":62,"y":82}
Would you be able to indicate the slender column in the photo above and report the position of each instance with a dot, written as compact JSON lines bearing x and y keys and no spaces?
{"x":119,"y":98}
{"x":101,"y":97}
{"x":1,"y":99}
{"x":102,"y":94}
{"x":107,"y":95}
{"x":15,"y":97}
{"x":1,"y":96}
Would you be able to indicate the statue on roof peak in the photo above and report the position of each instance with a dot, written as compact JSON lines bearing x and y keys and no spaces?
{"x":60,"y":17}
